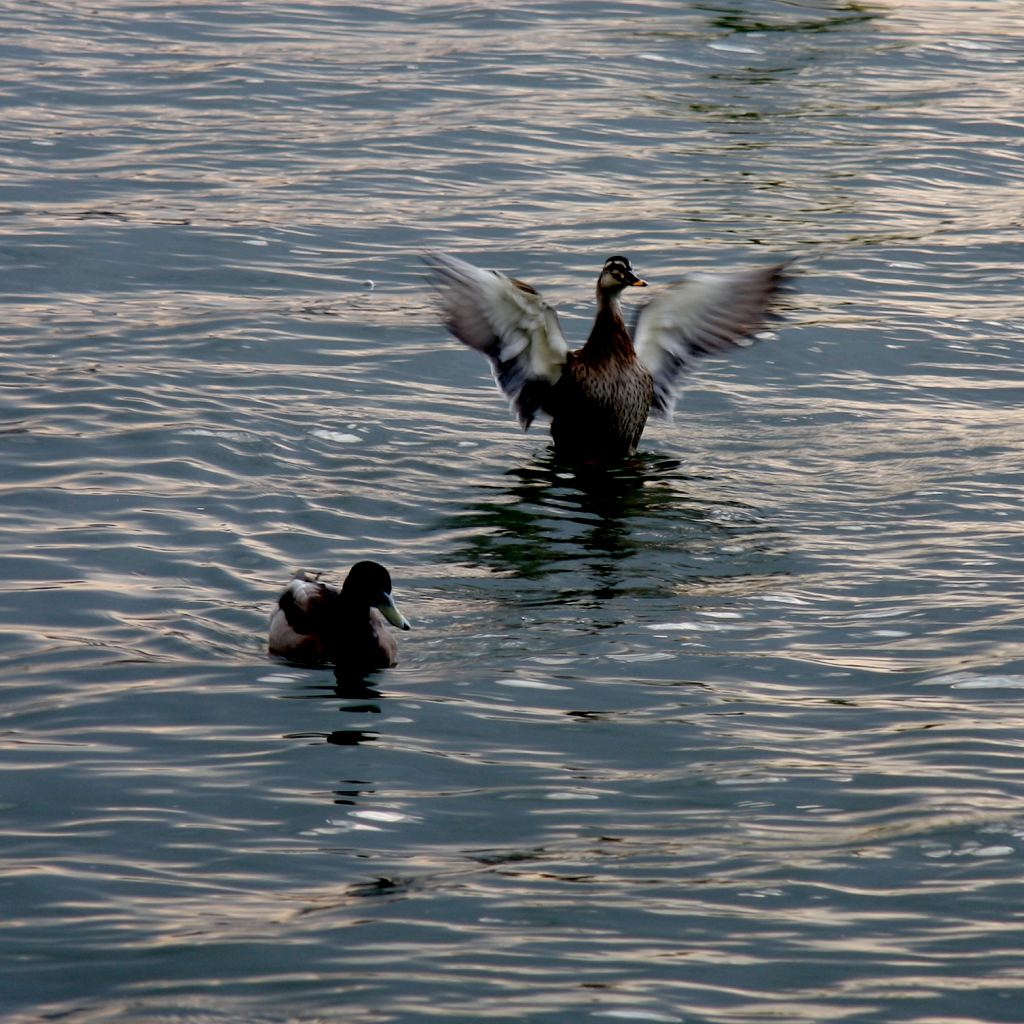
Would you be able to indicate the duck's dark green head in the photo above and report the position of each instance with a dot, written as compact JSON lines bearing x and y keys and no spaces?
{"x":370,"y":582}
{"x":617,"y":274}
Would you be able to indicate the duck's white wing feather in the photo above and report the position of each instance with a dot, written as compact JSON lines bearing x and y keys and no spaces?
{"x":705,"y":314}
{"x":305,"y":593}
{"x":305,"y":603}
{"x":509,"y":322}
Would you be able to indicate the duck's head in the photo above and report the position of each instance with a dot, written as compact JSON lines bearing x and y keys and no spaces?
{"x":617,"y":274}
{"x":370,"y":583}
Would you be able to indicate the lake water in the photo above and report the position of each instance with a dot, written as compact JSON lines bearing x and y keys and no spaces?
{"x":730,"y":735}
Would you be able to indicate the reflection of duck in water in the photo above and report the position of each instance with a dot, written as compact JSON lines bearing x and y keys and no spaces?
{"x":316,"y":623}
{"x":599,"y":397}
{"x":581,"y":537}
{"x":541,"y":519}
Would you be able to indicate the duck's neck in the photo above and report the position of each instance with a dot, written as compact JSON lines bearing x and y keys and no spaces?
{"x":354,"y":612}
{"x":608,"y":337}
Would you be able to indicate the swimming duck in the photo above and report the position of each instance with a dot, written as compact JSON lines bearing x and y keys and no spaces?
{"x":315,"y":622}
{"x":599,"y":396}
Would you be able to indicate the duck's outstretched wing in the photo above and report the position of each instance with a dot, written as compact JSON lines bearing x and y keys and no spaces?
{"x":509,"y":322}
{"x":705,"y":314}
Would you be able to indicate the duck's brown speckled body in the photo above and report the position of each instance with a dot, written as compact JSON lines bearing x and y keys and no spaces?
{"x":600,"y":404}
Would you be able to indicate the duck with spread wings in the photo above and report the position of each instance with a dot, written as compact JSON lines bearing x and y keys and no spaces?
{"x":600,"y":396}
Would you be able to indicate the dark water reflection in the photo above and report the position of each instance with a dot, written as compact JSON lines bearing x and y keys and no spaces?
{"x":599,"y":526}
{"x":803,"y":18}
{"x":727,"y":735}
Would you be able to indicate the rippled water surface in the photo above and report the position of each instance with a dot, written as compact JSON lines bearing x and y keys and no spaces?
{"x":730,"y":735}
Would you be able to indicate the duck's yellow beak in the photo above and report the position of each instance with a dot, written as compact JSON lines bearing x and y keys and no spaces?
{"x":638,"y":283}
{"x":390,"y":611}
